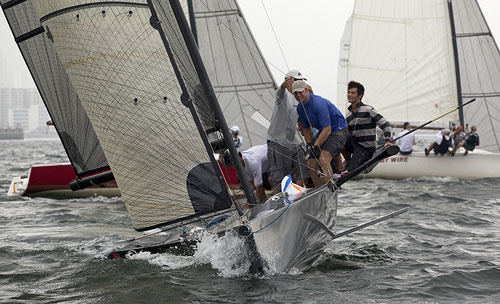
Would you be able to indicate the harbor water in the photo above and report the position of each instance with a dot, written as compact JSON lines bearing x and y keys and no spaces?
{"x":445,"y":249}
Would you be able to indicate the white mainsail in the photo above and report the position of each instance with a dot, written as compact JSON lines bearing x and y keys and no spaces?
{"x":479,"y":66}
{"x":130,"y":68}
{"x":403,"y":53}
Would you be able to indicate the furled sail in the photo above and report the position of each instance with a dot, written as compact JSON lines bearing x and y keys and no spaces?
{"x":130,"y":66}
{"x":479,"y":66}
{"x":60,"y":98}
{"x":238,"y":72}
{"x":401,"y":51}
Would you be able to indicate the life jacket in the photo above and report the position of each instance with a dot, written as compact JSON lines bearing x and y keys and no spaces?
{"x":472,"y":140}
{"x":444,"y":145}
{"x":237,"y":142}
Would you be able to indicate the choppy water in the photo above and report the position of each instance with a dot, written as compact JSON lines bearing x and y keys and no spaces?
{"x":446,"y":249}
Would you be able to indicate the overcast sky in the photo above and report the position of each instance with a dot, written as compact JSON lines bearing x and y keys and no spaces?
{"x":309,"y":33}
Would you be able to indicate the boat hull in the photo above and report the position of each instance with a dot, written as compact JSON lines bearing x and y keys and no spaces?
{"x":292,"y":242}
{"x":477,"y":164}
{"x":278,"y":235}
{"x":52,"y":181}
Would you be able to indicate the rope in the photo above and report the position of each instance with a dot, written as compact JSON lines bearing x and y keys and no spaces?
{"x":242,"y":40}
{"x":275,"y":36}
{"x":274,"y":221}
{"x":310,"y":125}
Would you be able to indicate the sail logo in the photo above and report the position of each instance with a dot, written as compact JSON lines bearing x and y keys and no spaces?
{"x":398,"y":159}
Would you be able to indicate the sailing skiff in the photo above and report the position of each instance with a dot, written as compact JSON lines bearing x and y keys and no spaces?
{"x":53,"y":180}
{"x":429,"y":57}
{"x":136,"y":70}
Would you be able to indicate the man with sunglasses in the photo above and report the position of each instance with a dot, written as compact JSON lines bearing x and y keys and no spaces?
{"x":283,"y":151}
{"x":317,"y":112}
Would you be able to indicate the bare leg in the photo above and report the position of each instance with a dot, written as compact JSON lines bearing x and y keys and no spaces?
{"x":338,"y":163}
{"x":325,"y":161}
{"x":313,"y":170}
{"x":346,"y":156}
{"x":460,"y":145}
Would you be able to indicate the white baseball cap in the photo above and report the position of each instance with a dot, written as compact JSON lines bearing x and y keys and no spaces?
{"x":235,"y":129}
{"x":295,"y":74}
{"x":299,"y":86}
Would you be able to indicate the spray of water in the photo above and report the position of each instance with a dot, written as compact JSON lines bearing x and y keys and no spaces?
{"x":225,"y":253}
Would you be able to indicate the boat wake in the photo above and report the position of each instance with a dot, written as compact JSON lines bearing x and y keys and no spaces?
{"x":354,"y":258}
{"x":98,"y":199}
{"x":227,"y":254}
{"x":446,"y":179}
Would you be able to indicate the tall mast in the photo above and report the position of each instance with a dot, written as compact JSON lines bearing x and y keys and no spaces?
{"x":457,"y":67}
{"x":185,"y":97}
{"x":192,"y":20}
{"x":205,"y":81}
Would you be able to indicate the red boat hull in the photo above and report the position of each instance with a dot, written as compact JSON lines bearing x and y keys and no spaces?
{"x":53,"y":181}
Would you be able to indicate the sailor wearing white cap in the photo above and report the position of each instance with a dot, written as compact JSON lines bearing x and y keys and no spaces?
{"x":238,"y":140}
{"x":283,"y":149}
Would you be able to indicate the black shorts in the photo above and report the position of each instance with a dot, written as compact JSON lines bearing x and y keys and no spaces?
{"x":335,"y":142}
{"x":469,"y":147}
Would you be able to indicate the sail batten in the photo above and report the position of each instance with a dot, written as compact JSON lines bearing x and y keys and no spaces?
{"x":239,"y":75}
{"x":130,"y":67}
{"x":479,"y":64}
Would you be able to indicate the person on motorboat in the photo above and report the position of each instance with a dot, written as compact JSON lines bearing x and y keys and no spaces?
{"x":237,"y":139}
{"x":317,"y":112}
{"x":256,"y":165}
{"x":442,"y":144}
{"x":363,"y":120}
{"x":283,"y":151}
{"x":406,"y":142}
{"x":458,"y":139}
{"x":470,"y":143}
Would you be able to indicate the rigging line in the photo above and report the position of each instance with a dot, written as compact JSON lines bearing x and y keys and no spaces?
{"x":275,"y":220}
{"x":231,"y":191}
{"x":248,"y":103}
{"x":274,"y":33}
{"x":263,"y":70}
{"x":232,"y":78}
{"x":234,"y":43}
{"x":250,"y":48}
{"x":298,"y":162}
{"x":235,"y":86}
{"x":321,"y":151}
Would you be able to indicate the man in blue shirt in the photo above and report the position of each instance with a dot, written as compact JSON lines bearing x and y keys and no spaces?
{"x":317,"y":112}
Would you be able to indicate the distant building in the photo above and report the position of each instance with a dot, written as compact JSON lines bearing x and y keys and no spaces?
{"x":22,"y":107}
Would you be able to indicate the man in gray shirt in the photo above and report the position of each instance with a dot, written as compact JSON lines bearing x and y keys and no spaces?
{"x":284,"y":154}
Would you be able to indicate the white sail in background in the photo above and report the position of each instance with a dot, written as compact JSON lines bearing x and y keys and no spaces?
{"x":401,"y":51}
{"x":479,"y":66}
{"x":343,"y":67}
{"x":130,"y":70}
{"x":238,"y":72}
